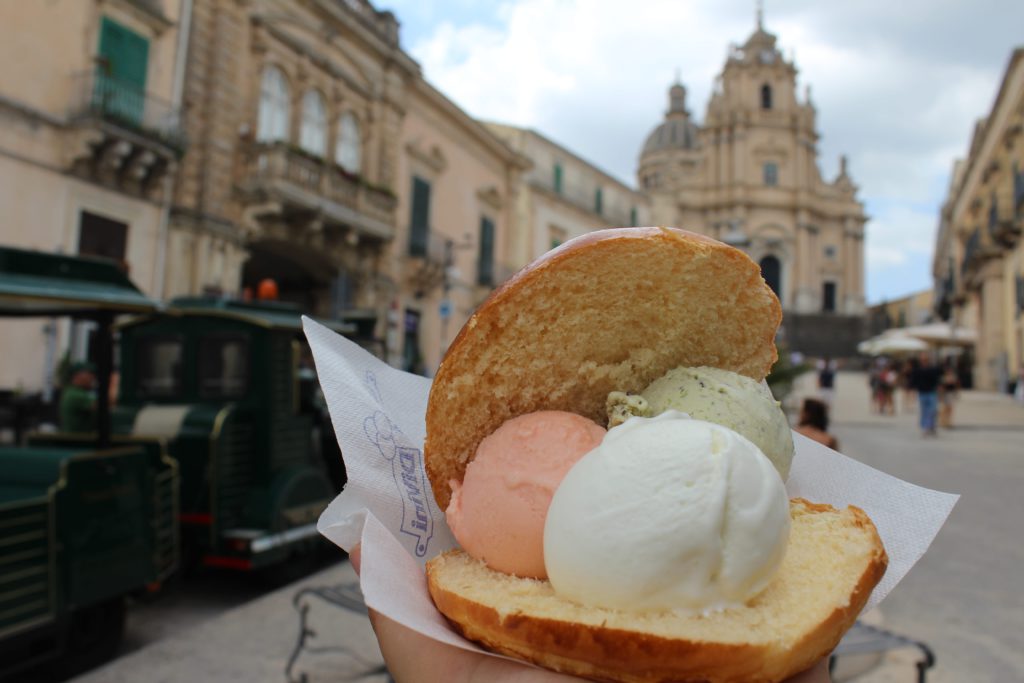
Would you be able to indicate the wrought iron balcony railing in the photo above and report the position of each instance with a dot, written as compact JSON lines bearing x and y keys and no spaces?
{"x":103,"y":97}
{"x":431,"y":247}
{"x":585,"y":199}
{"x":267,"y":164}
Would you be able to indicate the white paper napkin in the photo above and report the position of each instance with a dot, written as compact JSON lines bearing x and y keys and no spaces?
{"x":378,"y":415}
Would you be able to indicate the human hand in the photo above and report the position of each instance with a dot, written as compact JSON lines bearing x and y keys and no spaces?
{"x":413,"y":657}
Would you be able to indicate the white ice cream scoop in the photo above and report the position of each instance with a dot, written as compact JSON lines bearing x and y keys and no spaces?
{"x":667,"y":513}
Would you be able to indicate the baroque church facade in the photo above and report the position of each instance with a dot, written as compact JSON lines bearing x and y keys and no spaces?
{"x":748,"y":176}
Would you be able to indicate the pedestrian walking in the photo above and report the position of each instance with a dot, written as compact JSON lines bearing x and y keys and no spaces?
{"x":826,"y":380}
{"x":874,"y":379}
{"x":887,"y":379}
{"x":925,"y":380}
{"x":906,"y":389}
{"x":949,"y":385}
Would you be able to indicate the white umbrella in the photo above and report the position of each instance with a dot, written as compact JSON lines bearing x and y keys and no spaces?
{"x":894,"y":345}
{"x":867,"y":346}
{"x":942,"y":334}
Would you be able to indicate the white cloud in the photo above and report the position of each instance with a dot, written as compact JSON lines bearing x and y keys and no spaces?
{"x":897,"y":86}
{"x":898,"y":250}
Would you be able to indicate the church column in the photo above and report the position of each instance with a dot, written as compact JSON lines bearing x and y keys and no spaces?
{"x":858,"y":255}
{"x":803,"y":301}
{"x":853,"y":245}
{"x":737,"y":177}
{"x":846,"y":259}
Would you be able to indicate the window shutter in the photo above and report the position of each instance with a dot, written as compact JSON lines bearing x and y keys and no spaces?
{"x":121,"y":81}
{"x":419,"y":221}
{"x":125,"y":52}
{"x":485,"y":266}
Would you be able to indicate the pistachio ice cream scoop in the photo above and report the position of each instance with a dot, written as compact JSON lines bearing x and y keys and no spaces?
{"x":715,"y":395}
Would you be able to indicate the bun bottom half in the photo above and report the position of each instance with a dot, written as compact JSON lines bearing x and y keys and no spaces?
{"x":833,"y":561}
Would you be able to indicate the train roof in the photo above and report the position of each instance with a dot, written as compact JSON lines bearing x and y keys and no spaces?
{"x":35,"y":283}
{"x":265,"y":314}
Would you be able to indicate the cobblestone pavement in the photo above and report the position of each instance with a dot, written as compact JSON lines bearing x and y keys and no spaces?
{"x":963,"y":598}
{"x":255,"y":642}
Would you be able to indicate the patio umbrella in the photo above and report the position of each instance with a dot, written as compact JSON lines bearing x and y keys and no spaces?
{"x":942,"y":334}
{"x":895,"y":345}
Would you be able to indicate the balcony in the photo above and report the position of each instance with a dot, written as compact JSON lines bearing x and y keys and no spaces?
{"x":1004,"y":226}
{"x":122,"y":136}
{"x":427,"y":260}
{"x":1018,"y":196}
{"x":943,"y":295}
{"x":304,"y":185}
{"x":977,"y":251}
{"x":584,"y":199}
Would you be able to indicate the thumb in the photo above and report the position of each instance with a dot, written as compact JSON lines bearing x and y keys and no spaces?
{"x":355,"y":556}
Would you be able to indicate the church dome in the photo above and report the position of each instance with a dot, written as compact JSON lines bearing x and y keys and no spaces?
{"x":677,"y":131}
{"x":672,"y":134}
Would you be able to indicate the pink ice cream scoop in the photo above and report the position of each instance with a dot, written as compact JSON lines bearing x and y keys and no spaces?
{"x":497,"y":513}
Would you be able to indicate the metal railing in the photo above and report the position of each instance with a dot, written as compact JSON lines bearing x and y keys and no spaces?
{"x":110,"y":99}
{"x":431,"y":247}
{"x":971,"y":248}
{"x":586,"y":199}
{"x":320,"y":177}
{"x":1018,"y":189}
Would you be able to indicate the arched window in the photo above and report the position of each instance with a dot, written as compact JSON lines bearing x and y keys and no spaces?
{"x":275,"y":106}
{"x":313,"y":133}
{"x":766,"y":96}
{"x":771,"y":271}
{"x":348,"y":148}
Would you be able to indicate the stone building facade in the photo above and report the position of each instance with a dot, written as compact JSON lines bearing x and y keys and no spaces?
{"x":90,"y":139}
{"x":564,"y":196}
{"x":748,"y":176}
{"x":911,"y":310}
{"x":457,"y":187}
{"x":294,"y":112}
{"x":323,"y":160}
{"x":979,"y":253}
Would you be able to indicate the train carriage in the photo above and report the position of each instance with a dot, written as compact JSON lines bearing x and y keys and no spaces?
{"x":216,"y":452}
{"x":224,"y":382}
{"x":84,"y":519}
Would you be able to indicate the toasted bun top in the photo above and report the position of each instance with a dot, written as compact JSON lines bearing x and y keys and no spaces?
{"x":612,"y":310}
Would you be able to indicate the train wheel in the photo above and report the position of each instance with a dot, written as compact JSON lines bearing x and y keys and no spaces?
{"x":93,"y":636}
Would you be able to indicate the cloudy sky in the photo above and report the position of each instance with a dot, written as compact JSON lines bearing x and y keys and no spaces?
{"x":898,"y":85}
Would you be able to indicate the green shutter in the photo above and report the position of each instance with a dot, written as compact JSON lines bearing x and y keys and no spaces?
{"x":419,"y":220}
{"x":485,"y":265}
{"x":558,"y":178}
{"x":125,"y":54}
{"x":632,"y":216}
{"x":598,"y":201}
{"x":121,"y":78}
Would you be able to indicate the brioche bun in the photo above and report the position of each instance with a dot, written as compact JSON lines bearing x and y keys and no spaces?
{"x":612,"y":311}
{"x":833,"y":561}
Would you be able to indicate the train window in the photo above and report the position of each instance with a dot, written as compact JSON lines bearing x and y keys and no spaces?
{"x":223,"y":366}
{"x":160,"y":374}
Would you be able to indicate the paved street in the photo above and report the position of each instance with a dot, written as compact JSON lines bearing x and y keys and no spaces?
{"x":963,"y":598}
{"x":254,"y":642}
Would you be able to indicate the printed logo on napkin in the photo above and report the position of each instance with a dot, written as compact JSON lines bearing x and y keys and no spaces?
{"x":407,"y":468}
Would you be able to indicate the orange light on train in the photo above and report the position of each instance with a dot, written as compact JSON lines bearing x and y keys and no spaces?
{"x":267,"y":290}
